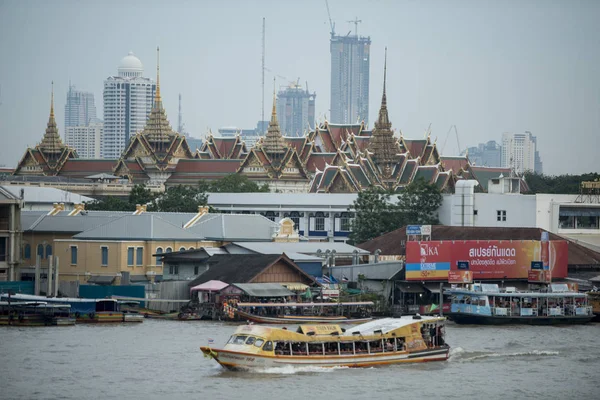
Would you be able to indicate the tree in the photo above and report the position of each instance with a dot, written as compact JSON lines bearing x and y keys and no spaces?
{"x":140,"y":194}
{"x":181,"y":199}
{"x":233,"y":183}
{"x":419,"y":202}
{"x":110,"y":203}
{"x":374,"y":215}
{"x":559,"y":184}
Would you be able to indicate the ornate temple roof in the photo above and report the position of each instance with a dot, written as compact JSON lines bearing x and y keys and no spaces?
{"x":274,"y":144}
{"x":382,"y":143}
{"x":51,"y":144}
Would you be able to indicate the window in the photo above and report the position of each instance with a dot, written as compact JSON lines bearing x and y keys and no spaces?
{"x":319,"y":224}
{"x":130,"y":256}
{"x":139,"y":256}
{"x":73,"y":255}
{"x":159,"y":250}
{"x":182,"y":249}
{"x":174,"y":269}
{"x":27,"y":251}
{"x":345,"y":222}
{"x":48,"y":250}
{"x":169,"y":250}
{"x":196,"y":269}
{"x":268,"y":346}
{"x":104,"y":252}
{"x":40,"y":250}
{"x":501,"y":215}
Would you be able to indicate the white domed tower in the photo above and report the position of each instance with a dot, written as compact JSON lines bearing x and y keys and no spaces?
{"x":128,"y":100}
{"x":130,"y":66}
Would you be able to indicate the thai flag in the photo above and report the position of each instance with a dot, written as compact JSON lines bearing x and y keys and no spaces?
{"x":326,"y":279}
{"x":211,"y":341}
{"x":345,"y":278}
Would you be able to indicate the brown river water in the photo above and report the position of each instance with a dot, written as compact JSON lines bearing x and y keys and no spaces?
{"x":161,"y":360}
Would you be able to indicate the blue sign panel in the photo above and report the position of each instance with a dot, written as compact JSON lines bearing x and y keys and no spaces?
{"x":413,"y":229}
{"x":463,"y":265}
{"x":537,"y":265}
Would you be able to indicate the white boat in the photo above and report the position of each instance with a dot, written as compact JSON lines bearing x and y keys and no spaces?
{"x":379,"y":342}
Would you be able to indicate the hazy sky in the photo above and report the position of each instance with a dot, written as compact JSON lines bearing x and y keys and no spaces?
{"x":485,"y":66}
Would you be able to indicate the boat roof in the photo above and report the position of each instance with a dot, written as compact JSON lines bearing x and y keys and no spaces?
{"x":30,"y":297}
{"x":35,"y":304}
{"x":515,"y":294}
{"x":386,"y":325}
{"x":317,"y":333}
{"x":351,"y":303}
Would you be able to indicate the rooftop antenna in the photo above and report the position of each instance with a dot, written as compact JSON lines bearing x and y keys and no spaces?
{"x":262,"y":117}
{"x":331,"y":23}
{"x":355,"y":21}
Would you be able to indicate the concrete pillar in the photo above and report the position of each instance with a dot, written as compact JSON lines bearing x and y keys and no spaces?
{"x":56,"y":276}
{"x":49,"y":286}
{"x":36,"y":287}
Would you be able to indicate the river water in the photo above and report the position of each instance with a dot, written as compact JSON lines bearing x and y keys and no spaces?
{"x":161,"y":360}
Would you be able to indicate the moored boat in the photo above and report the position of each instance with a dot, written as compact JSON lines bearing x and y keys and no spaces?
{"x":35,"y":314}
{"x":83,"y":310}
{"x":594,"y":300}
{"x":378,"y":342}
{"x":488,"y":304}
{"x":305,"y":313}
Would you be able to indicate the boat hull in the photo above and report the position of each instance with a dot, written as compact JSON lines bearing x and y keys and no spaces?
{"x":461,"y":318}
{"x":299,"y":320}
{"x":248,"y":361}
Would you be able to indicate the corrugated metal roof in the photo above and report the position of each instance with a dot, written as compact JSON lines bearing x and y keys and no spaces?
{"x":381,"y":271}
{"x":63,"y":223}
{"x":234,"y":227}
{"x":301,"y":247}
{"x":264,"y":289}
{"x":273,"y":199}
{"x":36,"y":194}
{"x":138,"y":227}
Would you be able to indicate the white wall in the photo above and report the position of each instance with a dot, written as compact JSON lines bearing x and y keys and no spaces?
{"x":520,"y":210}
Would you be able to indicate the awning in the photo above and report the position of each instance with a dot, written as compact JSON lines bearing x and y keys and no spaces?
{"x":295,"y":286}
{"x":264,"y":289}
{"x":210,"y":286}
{"x":410,"y":287}
{"x":138,"y":278}
{"x":435,"y":287}
{"x":101,"y":280}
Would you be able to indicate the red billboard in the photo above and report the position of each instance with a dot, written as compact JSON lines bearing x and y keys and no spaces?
{"x":488,"y":259}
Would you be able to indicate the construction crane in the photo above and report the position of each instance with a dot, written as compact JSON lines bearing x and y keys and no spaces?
{"x":356,"y":21}
{"x":446,"y":140}
{"x":331,"y":23}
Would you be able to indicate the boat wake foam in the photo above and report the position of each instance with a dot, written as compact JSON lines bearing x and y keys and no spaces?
{"x":291,"y":370}
{"x":460,"y":355}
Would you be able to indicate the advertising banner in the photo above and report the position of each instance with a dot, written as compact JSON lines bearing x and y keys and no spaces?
{"x":539,"y":276}
{"x":487,"y":259}
{"x":460,"y":276}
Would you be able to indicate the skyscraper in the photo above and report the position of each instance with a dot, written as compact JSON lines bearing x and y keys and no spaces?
{"x":80,"y":109}
{"x":350,"y":59}
{"x":295,"y":110}
{"x":519,"y":152}
{"x":128,"y":99}
{"x":85,"y":139}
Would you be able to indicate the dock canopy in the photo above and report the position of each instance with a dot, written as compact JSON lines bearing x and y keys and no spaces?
{"x":410,"y":287}
{"x":210,"y":286}
{"x":101,"y":280}
{"x":264,"y":289}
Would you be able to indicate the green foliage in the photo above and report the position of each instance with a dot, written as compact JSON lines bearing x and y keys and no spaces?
{"x":140,"y":194}
{"x":376,"y":214}
{"x":181,"y":199}
{"x":419,"y":202}
{"x":110,"y":203}
{"x":234,"y":183}
{"x":559,"y":184}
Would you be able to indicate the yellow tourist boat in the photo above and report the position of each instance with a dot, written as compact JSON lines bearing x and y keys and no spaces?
{"x":379,"y":342}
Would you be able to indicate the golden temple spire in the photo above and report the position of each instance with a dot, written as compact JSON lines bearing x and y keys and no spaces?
{"x":274,"y":143}
{"x":52,"y":102}
{"x":274,"y":111}
{"x":157,"y":96}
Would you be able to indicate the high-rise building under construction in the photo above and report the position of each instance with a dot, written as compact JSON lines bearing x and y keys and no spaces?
{"x":350,"y":60}
{"x":295,"y":110}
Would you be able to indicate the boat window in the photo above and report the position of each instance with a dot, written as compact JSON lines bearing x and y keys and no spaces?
{"x":259,"y":342}
{"x":315,"y":348}
{"x":268,"y":346}
{"x":250,"y":340}
{"x":375,"y":346}
{"x":231,"y":339}
{"x":240,"y":339}
{"x":346,"y":347}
